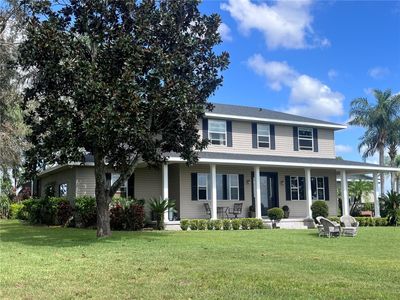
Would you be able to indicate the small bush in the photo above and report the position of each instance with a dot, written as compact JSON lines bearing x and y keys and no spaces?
{"x":226,"y":224}
{"x":118,"y":220}
{"x":15,"y":210}
{"x":286,"y":211}
{"x":381,"y":222}
{"x":4,"y":206}
{"x":202,"y":224}
{"x":236,"y":224}
{"x":335,"y":219}
{"x":256,"y":224}
{"x":319,"y":208}
{"x":184,"y":224}
{"x":275,"y":213}
{"x":245,"y":223}
{"x":64,"y":212}
{"x":217,"y":224}
{"x":136,"y":216}
{"x":210,"y":225}
{"x":194,"y":224}
{"x":87,"y":210}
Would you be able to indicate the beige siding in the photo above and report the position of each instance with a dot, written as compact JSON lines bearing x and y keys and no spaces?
{"x":63,"y":176}
{"x":85,"y":181}
{"x":242,"y":142}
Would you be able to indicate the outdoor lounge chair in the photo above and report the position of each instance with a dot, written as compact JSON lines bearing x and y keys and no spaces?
{"x":330,"y":228}
{"x":320,"y":227}
{"x":350,"y":226}
{"x":208,"y":209}
{"x":237,"y":209}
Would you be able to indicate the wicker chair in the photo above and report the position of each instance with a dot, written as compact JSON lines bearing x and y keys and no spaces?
{"x":350,"y":226}
{"x":237,"y":209}
{"x":208,"y":209}
{"x":320,"y":227}
{"x":330,"y":228}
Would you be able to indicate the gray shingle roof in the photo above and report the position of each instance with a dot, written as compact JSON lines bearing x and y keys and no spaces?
{"x":255,"y":112}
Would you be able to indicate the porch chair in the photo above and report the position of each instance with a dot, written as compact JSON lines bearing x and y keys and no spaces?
{"x":350,"y":226}
{"x":320,"y":227}
{"x":330,"y":228}
{"x":237,"y":209}
{"x":208,"y":209}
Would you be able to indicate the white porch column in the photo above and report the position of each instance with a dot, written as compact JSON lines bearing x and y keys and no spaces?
{"x":258,"y":192}
{"x":376,"y":196}
{"x":213,"y":192}
{"x":165,"y":188}
{"x":308,"y":192}
{"x":345,"y":194}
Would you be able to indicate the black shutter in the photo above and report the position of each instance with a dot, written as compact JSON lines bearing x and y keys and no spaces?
{"x":205,"y":128}
{"x":241,"y":187}
{"x":131,"y":186}
{"x":287,"y":186}
{"x":295,"y":139}
{"x":108,"y":179}
{"x":315,"y":138}
{"x":326,"y":185}
{"x":224,"y":187}
{"x":229,"y":133}
{"x":194,"y":186}
{"x":272,"y":134}
{"x":254,"y":134}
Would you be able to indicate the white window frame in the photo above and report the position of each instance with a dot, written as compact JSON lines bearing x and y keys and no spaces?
{"x":202,"y":186}
{"x":305,"y":138}
{"x":319,"y":188}
{"x":225,"y":133}
{"x":66,"y":190}
{"x":262,"y":135}
{"x":123,"y":188}
{"x":231,"y":186}
{"x":296,"y":188}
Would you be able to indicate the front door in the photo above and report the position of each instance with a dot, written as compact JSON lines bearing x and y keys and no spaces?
{"x":269,"y":191}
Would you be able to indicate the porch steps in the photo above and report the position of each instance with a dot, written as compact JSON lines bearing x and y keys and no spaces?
{"x":292,"y":223}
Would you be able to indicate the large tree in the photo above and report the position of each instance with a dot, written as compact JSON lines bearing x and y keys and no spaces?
{"x":124,"y":80}
{"x":378,"y":119}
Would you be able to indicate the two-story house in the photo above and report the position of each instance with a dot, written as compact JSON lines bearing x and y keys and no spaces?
{"x":257,"y":157}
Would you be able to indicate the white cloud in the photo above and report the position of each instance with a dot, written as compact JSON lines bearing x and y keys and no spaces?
{"x":285,"y":24}
{"x":308,"y":95}
{"x":378,"y":72}
{"x":332,"y":74}
{"x":343,"y":148}
{"x":225,"y":32}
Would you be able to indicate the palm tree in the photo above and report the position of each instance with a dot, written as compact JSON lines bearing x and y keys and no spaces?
{"x":393,"y":146}
{"x":357,"y":189}
{"x":378,"y":120}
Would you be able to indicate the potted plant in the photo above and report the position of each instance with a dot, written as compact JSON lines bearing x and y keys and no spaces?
{"x":158,"y":207}
{"x":252,"y":211}
{"x":286,"y":211}
{"x":275,"y":214}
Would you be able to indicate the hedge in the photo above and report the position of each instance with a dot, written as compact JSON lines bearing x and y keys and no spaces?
{"x":225,"y":224}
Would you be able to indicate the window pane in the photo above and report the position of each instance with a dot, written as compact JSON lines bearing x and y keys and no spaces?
{"x":220,"y":188}
{"x":295,"y":195}
{"x":320,"y":182}
{"x":217,"y":126}
{"x":302,"y":194}
{"x":305,"y":132}
{"x":63,"y":189}
{"x":321,"y":194}
{"x":293,"y":181}
{"x":217,"y":138}
{"x":234,"y":180}
{"x":234,"y":193}
{"x":305,"y":143}
{"x":202,"y":180}
{"x":314,"y":188}
{"x":264,"y":145}
{"x":202,"y":193}
{"x":263,"y":129}
{"x":263,"y":139}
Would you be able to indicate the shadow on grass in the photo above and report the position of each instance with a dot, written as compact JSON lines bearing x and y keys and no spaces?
{"x":18,"y":232}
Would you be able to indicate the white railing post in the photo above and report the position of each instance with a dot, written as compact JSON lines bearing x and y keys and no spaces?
{"x":258,"y":192}
{"x":308,"y":192}
{"x":376,"y":197}
{"x":165,"y":189}
{"x":345,"y":194}
{"x":213,"y":192}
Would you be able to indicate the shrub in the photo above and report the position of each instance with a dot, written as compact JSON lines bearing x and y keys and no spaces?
{"x":275,"y":213}
{"x":319,"y":208}
{"x":256,"y":224}
{"x":335,"y":219}
{"x":236,"y":224}
{"x":245,"y":222}
{"x":118,"y":220}
{"x":194,"y":224}
{"x":15,"y":210}
{"x":210,"y":225}
{"x":4,"y":206}
{"x":361,"y":220}
{"x":391,"y":206}
{"x":184,"y":224}
{"x":370,"y":222}
{"x":136,"y":216}
{"x":286,"y":211}
{"x":202,"y":224}
{"x":381,"y":222}
{"x":87,"y":210}
{"x":158,"y":206}
{"x":64,"y":212}
{"x":217,"y":224}
{"x":226,"y":224}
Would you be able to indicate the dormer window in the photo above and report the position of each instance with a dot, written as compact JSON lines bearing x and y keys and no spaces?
{"x":263,"y":135}
{"x":305,"y":138}
{"x":217,"y":132}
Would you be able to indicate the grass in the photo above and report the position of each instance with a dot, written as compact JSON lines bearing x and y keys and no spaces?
{"x":59,"y":263}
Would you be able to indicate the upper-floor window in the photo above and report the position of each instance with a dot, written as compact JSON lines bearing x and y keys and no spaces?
{"x":263,"y":135}
{"x":217,"y":132}
{"x":305,"y":138}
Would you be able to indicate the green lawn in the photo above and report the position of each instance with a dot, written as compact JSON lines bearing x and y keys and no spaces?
{"x":59,"y":263}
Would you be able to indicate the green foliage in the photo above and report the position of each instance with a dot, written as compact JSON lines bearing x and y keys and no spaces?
{"x":15,"y":210}
{"x":391,"y":203}
{"x":365,"y":221}
{"x":127,"y":214}
{"x":158,"y":206}
{"x":44,"y":210}
{"x":245,"y":222}
{"x":358,"y":189}
{"x":202,"y":224}
{"x":236,"y":224}
{"x":210,"y":225}
{"x":275,"y":213}
{"x":319,"y":208}
{"x":217,"y":224}
{"x":226,"y":224}
{"x":4,"y":206}
{"x":335,"y":219}
{"x":256,"y":223}
{"x":286,"y":211}
{"x":194,"y":224}
{"x":85,"y":206}
{"x":184,"y":224}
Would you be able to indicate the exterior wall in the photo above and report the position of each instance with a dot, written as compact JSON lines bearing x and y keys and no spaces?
{"x":85,"y":181}
{"x":63,"y":176}
{"x":242,"y":142}
{"x":298,"y":209}
{"x":173,"y":184}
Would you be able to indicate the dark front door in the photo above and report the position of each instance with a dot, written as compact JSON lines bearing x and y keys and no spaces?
{"x":269,"y":191}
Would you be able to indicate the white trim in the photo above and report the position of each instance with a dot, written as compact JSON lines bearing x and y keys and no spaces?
{"x":289,"y":164}
{"x":276,"y":121}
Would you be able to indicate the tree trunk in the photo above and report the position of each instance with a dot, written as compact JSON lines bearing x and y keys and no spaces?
{"x":382,"y":163}
{"x":103,"y":199}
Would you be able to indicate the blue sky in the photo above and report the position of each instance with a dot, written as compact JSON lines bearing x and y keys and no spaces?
{"x":310,"y":58}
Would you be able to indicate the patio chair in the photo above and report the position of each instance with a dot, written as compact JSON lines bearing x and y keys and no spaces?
{"x":350,"y":226}
{"x":320,"y":227}
{"x":330,"y":228}
{"x":237,"y":210}
{"x":208,"y":209}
